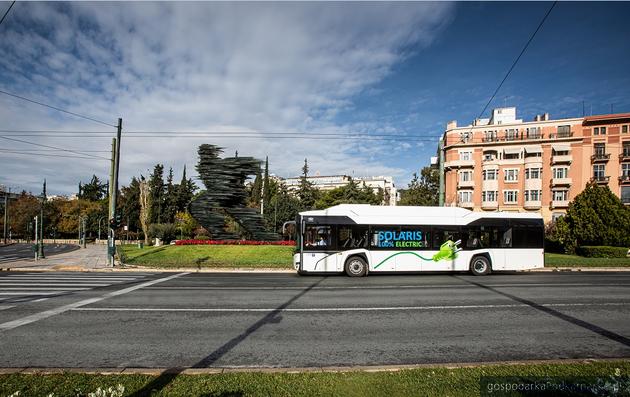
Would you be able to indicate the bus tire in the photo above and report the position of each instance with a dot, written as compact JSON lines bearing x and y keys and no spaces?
{"x":356,"y":267}
{"x":480,"y":265}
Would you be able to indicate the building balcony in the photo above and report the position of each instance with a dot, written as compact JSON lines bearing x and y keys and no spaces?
{"x":555,"y":135}
{"x":468,"y":204}
{"x":489,"y":139}
{"x":460,"y":164}
{"x":601,"y":180}
{"x":532,"y":204}
{"x":461,"y":184}
{"x":625,"y":156}
{"x":533,"y":160}
{"x":533,"y":184}
{"x":624,"y":180}
{"x":561,"y":181}
{"x":489,"y":205}
{"x":600,"y":157}
{"x":563,"y":158}
{"x":559,"y":203}
{"x":535,"y":136}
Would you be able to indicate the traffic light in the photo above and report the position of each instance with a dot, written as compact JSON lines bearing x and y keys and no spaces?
{"x":116,"y":221}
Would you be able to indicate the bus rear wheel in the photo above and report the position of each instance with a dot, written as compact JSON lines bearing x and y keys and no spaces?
{"x":480,"y":266}
{"x":356,"y":267}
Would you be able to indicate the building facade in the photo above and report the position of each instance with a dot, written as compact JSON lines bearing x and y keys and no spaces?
{"x":329,"y":182}
{"x":506,"y":164}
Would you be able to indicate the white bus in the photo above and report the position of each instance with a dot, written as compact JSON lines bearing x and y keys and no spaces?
{"x":358,"y":239}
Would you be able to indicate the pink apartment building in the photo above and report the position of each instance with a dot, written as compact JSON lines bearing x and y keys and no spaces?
{"x":507,"y":164}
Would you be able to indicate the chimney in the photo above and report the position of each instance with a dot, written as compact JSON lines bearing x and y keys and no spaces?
{"x":451,"y":124}
{"x":545,"y":117}
{"x":537,"y":118}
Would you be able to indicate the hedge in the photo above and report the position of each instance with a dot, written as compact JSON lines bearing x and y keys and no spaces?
{"x":602,"y":251}
{"x":232,"y":242}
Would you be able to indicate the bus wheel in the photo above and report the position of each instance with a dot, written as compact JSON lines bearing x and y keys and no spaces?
{"x":356,"y":267}
{"x":480,"y":266}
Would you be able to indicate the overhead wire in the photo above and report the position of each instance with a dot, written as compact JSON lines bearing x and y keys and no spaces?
{"x":48,"y":155}
{"x":53,"y":147}
{"x":7,"y":12}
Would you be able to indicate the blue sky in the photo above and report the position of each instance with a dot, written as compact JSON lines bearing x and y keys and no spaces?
{"x":309,"y":68}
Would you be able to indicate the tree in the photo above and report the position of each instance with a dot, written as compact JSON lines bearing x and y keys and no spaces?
{"x":595,"y":217}
{"x":93,"y":191}
{"x":185,"y":191}
{"x":129,"y":203}
{"x":185,"y":225}
{"x":156,"y":192}
{"x":22,"y":211}
{"x":255,"y":191}
{"x":306,"y":192}
{"x":350,"y":193}
{"x":170,"y":198}
{"x":145,"y":208}
{"x":283,"y":206}
{"x":423,"y":190}
{"x":266,"y":186}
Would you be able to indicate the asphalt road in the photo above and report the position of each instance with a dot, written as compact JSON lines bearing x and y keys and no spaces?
{"x":282,"y":320}
{"x":14,"y":252}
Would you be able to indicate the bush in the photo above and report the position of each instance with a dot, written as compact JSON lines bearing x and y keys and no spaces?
{"x":232,"y":242}
{"x":602,"y":251}
{"x":201,"y":237}
{"x":164,"y":231}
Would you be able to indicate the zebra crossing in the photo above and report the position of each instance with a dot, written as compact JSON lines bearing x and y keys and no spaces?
{"x":37,"y":286}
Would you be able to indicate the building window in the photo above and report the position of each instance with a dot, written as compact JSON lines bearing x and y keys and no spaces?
{"x":556,"y":215}
{"x":626,"y":149}
{"x":490,"y":175}
{"x":625,"y":170}
{"x":596,"y":131}
{"x":466,"y":156}
{"x":559,"y":195}
{"x":533,"y":173}
{"x":489,"y":195}
{"x":599,"y":171}
{"x":533,"y":133}
{"x":560,"y":172}
{"x":511,"y":175}
{"x":599,"y":131}
{"x":600,"y":149}
{"x":490,"y":136}
{"x":511,"y":134}
{"x":564,"y":131}
{"x":602,"y":130}
{"x":624,"y":129}
{"x":511,"y":156}
{"x":489,"y":155}
{"x":465,"y":176}
{"x":510,"y":196}
{"x":625,"y":194}
{"x":465,"y":196}
{"x":532,"y":195}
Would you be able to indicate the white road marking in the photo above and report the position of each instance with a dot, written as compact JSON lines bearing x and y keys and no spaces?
{"x":5,"y":307}
{"x":28,"y":293}
{"x":49,"y":313}
{"x":2,"y":285}
{"x":31,"y":289}
{"x":339,"y":309}
{"x":255,"y":288}
{"x":40,"y":300}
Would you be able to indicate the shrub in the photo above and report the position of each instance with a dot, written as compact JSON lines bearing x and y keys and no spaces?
{"x":164,"y":231}
{"x":232,"y":242}
{"x":201,"y":237}
{"x":602,"y":251}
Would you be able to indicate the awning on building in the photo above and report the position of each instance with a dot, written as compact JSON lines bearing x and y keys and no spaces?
{"x":533,"y":149}
{"x":561,"y":147}
{"x":512,"y":150}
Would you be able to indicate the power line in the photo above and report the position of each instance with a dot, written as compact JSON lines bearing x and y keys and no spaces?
{"x":46,"y":155}
{"x":53,"y":147}
{"x":264,"y":137}
{"x":517,"y":59}
{"x":7,"y":12}
{"x":58,"y":109}
{"x":56,"y":150}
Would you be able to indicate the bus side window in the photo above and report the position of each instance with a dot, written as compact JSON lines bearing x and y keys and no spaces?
{"x":506,"y":241}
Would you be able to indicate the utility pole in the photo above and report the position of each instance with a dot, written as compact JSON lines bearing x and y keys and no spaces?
{"x":6,"y":214}
{"x":40,"y":247}
{"x":84,"y":231}
{"x":113,"y":192}
{"x":36,"y":240}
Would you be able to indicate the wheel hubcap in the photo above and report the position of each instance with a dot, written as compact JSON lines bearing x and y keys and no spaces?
{"x":480,"y":266}
{"x":356,"y":267}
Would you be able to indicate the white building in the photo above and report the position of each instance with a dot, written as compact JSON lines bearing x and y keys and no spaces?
{"x":330,"y":182}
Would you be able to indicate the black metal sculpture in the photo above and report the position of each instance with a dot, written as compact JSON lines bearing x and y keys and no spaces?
{"x":225,"y":194}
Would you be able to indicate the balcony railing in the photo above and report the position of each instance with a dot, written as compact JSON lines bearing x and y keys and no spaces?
{"x":625,"y":156}
{"x":561,"y":158}
{"x":489,"y":139}
{"x":624,"y":179}
{"x":554,"y":135}
{"x":600,"y":179}
{"x":561,"y":181}
{"x":560,"y":203}
{"x":600,"y":157}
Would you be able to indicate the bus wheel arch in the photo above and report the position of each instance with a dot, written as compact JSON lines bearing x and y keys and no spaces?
{"x":481,"y":265}
{"x":356,"y":266}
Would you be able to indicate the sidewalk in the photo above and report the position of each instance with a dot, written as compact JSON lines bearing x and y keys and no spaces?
{"x":93,"y":257}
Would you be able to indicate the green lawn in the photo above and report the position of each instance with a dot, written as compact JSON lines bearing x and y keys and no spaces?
{"x":253,"y":256}
{"x":417,"y":382}
{"x":561,"y":260}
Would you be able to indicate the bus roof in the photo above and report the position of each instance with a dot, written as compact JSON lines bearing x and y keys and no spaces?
{"x":407,"y":215}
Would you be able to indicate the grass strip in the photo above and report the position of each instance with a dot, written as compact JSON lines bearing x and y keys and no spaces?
{"x":561,"y":260}
{"x":247,"y":256}
{"x":438,"y":381}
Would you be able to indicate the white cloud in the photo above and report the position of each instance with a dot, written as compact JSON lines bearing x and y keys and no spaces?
{"x":206,"y":66}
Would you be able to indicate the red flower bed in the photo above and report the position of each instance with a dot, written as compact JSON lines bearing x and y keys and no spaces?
{"x":232,"y":242}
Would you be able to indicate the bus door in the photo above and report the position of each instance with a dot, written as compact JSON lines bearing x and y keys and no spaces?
{"x":319,"y":252}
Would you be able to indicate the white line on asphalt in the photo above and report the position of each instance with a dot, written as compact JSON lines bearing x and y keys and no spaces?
{"x":49,"y":313}
{"x":2,"y":285}
{"x":17,"y":278}
{"x":28,"y":293}
{"x":254,"y":288}
{"x":337,"y":309}
{"x":5,"y":307}
{"x":31,"y":289}
{"x":40,"y":300}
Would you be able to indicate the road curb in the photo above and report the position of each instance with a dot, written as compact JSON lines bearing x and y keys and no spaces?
{"x":148,"y":270}
{"x":327,"y":369}
{"x":579,"y":269}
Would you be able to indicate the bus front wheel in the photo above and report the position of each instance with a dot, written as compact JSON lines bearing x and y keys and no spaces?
{"x":480,"y":266}
{"x":356,"y":267}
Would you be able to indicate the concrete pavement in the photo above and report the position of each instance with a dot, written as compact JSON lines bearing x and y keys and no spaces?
{"x":58,"y":257}
{"x":210,"y":320}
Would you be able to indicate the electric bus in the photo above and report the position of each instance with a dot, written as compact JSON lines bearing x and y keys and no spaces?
{"x":358,"y":239}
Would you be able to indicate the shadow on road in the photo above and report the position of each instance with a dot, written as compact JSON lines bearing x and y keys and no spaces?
{"x":272,"y":317}
{"x":576,"y":321}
